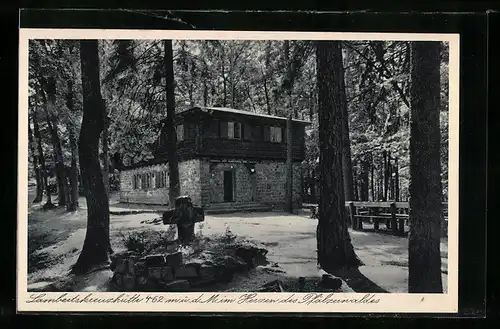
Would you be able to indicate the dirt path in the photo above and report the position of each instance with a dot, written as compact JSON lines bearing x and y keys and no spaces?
{"x":291,"y":241}
{"x":55,"y":239}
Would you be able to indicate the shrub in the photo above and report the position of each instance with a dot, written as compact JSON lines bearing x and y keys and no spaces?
{"x":148,"y":241}
{"x":228,"y":237}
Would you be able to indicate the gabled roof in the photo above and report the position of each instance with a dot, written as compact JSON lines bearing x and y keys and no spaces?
{"x":235,"y":111}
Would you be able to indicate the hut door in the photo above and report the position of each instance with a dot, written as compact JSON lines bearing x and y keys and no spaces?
{"x":228,"y":185}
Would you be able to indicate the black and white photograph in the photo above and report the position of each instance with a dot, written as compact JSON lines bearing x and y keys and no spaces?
{"x":227,"y":168}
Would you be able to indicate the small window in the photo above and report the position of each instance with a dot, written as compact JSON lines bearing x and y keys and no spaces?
{"x":180,"y":132}
{"x":230,"y":129}
{"x":162,"y":179}
{"x":276,"y":134}
{"x":223,"y":129}
{"x":237,"y":130}
{"x":157,"y":179}
{"x":138,"y":184}
{"x":234,"y":130}
{"x":266,"y":133}
{"x":247,"y":131}
{"x":134,"y":182}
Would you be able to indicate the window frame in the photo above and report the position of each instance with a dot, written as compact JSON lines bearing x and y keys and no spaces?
{"x":273,"y":133}
{"x":236,"y":127}
{"x":180,"y":137}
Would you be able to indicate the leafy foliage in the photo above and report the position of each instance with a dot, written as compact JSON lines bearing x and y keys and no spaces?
{"x":245,"y":74}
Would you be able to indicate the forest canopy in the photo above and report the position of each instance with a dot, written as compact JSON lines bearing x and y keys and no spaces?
{"x":242,"y":74}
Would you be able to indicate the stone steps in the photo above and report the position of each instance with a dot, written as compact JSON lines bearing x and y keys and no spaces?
{"x":230,"y":207}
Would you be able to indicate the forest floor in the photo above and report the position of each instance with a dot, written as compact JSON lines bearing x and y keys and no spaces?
{"x":55,"y":240}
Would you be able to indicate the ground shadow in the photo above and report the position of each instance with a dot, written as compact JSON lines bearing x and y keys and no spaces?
{"x":358,"y":282}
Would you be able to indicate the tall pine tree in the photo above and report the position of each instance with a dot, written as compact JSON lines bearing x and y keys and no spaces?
{"x":335,"y":250}
{"x":425,"y":170}
{"x":96,"y":247}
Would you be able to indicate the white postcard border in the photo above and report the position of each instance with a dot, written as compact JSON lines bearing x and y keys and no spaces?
{"x":201,"y":302}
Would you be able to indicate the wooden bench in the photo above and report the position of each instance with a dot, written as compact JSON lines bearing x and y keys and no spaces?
{"x":395,"y":218}
{"x":376,"y":212}
{"x":394,"y":214}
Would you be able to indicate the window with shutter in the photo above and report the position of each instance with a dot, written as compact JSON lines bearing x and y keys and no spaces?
{"x":276,"y":134}
{"x":230,"y":129}
{"x":224,"y":129}
{"x":266,"y":134}
{"x":237,"y":130}
{"x":165,"y":174}
{"x":180,"y":132}
{"x":247,"y":131}
{"x":234,"y":130}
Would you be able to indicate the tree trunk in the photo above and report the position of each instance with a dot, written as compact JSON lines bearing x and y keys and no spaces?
{"x":36,"y":167}
{"x":397,"y":179}
{"x":173,"y":163}
{"x":364,"y":179}
{"x":265,"y":75}
{"x":335,"y":250}
{"x":386,"y":176}
{"x":105,"y":151}
{"x":311,"y":106}
{"x":346,"y":142}
{"x":224,"y":84}
{"x":43,"y":169}
{"x":266,"y":94}
{"x":96,"y":247}
{"x":72,"y":203}
{"x":233,"y":91}
{"x":355,"y":181}
{"x":372,"y":163}
{"x":289,"y":141}
{"x":393,"y":187}
{"x":249,"y":95}
{"x":205,"y":93}
{"x":425,"y":171}
{"x":62,"y":182}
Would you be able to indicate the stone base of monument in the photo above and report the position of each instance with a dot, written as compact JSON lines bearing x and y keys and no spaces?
{"x":170,"y":272}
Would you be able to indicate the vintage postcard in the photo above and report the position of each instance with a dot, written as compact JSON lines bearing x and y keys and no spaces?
{"x":231,"y":171}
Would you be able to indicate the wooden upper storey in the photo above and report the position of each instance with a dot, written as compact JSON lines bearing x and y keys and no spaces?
{"x":229,"y":133}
